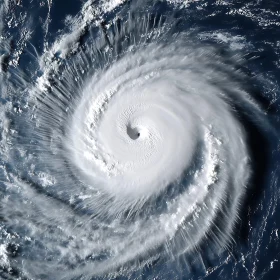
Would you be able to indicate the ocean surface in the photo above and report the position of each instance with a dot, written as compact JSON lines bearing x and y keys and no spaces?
{"x":139,"y":139}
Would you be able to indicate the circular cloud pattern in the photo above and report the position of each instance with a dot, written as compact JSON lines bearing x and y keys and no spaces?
{"x":132,"y":149}
{"x":158,"y":124}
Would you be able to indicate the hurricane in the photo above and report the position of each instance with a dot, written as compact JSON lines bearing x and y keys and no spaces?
{"x":137,"y":144}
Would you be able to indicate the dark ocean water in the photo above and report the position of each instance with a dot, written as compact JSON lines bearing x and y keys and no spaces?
{"x":244,"y":29}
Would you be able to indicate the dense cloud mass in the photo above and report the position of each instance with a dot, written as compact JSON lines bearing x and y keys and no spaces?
{"x":134,"y":144}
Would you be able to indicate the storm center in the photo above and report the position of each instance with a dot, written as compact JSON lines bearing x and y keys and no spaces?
{"x":133,"y":132}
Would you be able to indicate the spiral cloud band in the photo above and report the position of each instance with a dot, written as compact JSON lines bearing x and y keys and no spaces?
{"x":158,"y":124}
{"x":137,"y":148}
{"x":139,"y":124}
